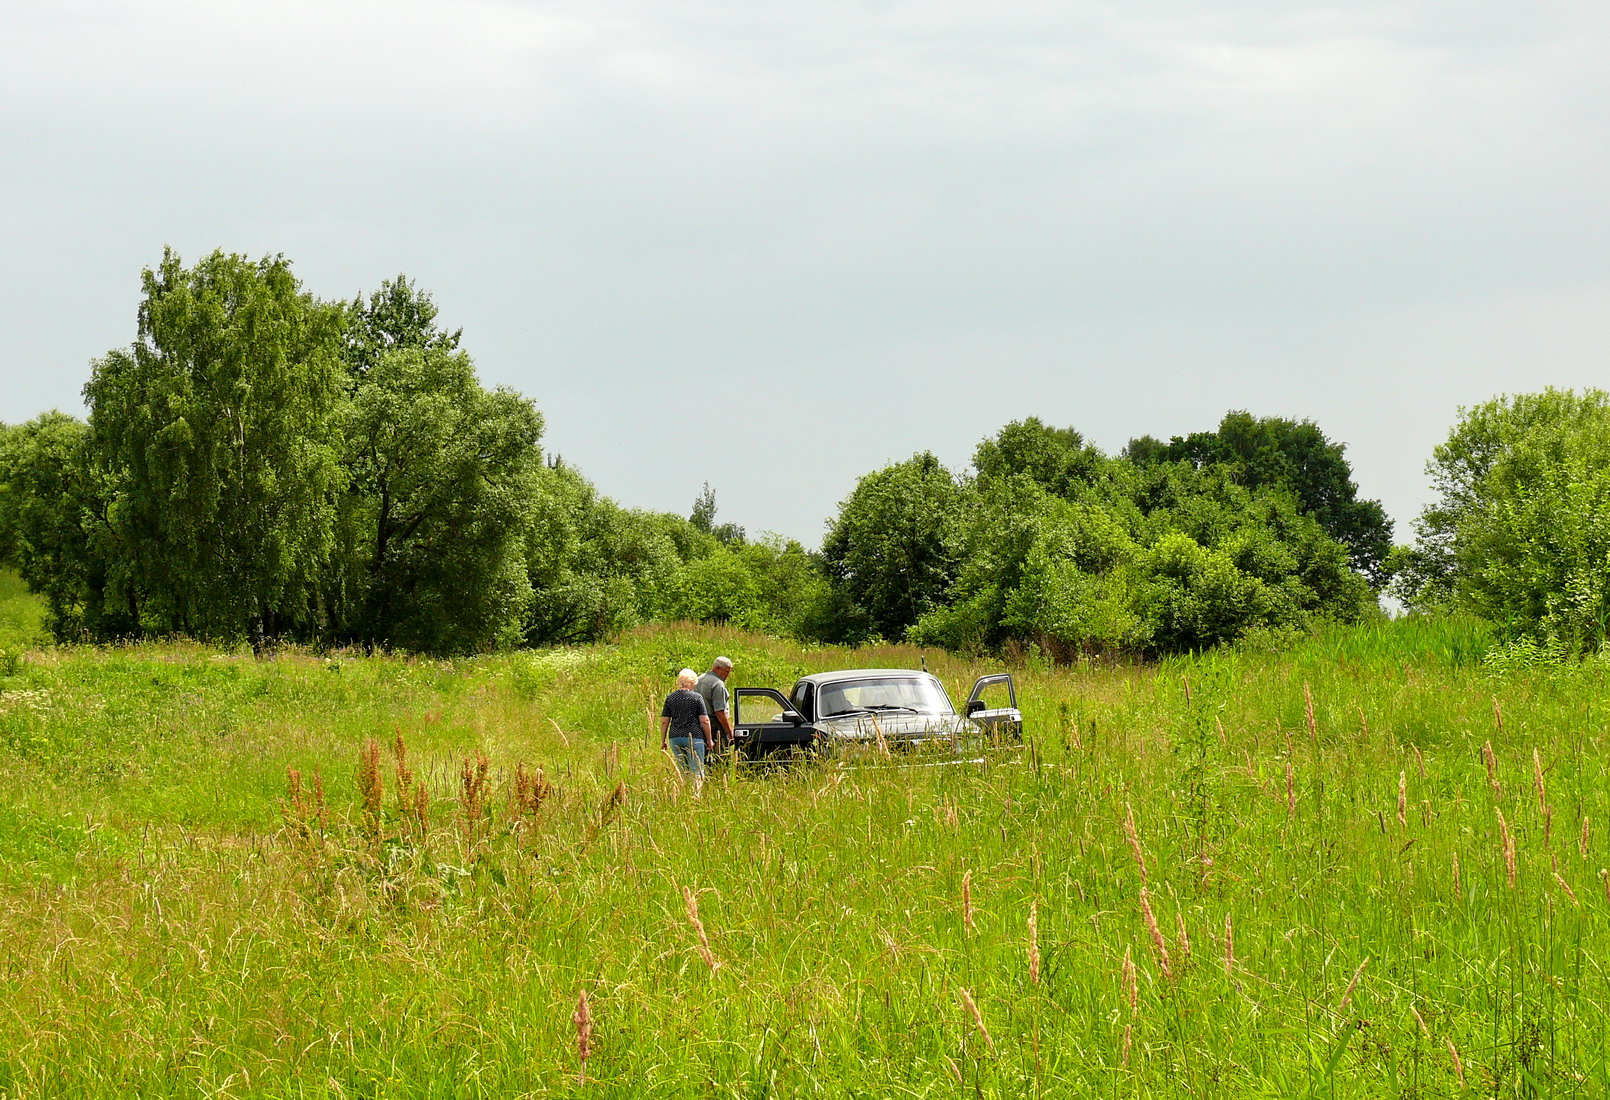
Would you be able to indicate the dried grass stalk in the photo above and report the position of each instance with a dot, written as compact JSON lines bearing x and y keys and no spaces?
{"x":967,"y":902}
{"x":1458,"y":1066}
{"x":1566,"y":886}
{"x":1132,"y":995}
{"x":1492,"y":764}
{"x":1229,"y":946}
{"x":1507,"y":841}
{"x":1421,"y":1020}
{"x":1034,"y":942}
{"x":1537,"y":782}
{"x":1134,"y":841}
{"x":978,"y":1017}
{"x":1403,"y":798}
{"x":1347,"y":994}
{"x":1159,"y":944}
{"x":692,"y":900}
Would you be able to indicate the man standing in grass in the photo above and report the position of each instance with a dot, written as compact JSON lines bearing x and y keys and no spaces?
{"x":685,"y":727}
{"x":713,"y":690}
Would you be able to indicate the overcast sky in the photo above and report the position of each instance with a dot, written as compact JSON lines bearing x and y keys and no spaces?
{"x":774,"y":247}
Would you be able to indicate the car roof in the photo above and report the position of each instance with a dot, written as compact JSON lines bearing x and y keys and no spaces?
{"x":820,"y":678}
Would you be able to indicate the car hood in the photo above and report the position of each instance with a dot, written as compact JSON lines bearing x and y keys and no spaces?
{"x":896,"y":726}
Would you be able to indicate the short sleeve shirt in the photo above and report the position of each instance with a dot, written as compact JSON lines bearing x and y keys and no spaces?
{"x":684,"y":708}
{"x":714,"y":693}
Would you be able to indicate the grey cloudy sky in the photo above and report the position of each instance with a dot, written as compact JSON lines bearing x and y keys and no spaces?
{"x":774,"y":247}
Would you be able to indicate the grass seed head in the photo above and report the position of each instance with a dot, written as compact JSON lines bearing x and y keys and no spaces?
{"x":1537,"y":781}
{"x":1582,"y":843}
{"x":978,"y":1017}
{"x":1458,"y":1066}
{"x":967,"y":901}
{"x":1507,"y":843}
{"x":1347,"y":994}
{"x":1403,"y":798}
{"x":1491,"y":761}
{"x":1134,"y":841}
{"x":692,"y":901}
{"x":583,"y":1019}
{"x":1034,"y":942}
{"x":1159,"y":944}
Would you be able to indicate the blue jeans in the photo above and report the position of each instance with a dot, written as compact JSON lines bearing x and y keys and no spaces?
{"x":689,"y":753}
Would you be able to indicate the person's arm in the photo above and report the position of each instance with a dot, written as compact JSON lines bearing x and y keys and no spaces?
{"x":704,"y":724}
{"x":720,"y":719}
{"x":665,"y":732}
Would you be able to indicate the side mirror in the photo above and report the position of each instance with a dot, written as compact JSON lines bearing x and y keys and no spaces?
{"x":792,"y":717}
{"x":974,"y":706}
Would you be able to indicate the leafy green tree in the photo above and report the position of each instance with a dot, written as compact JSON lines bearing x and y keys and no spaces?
{"x":398,"y":315}
{"x":1144,"y":560}
{"x":53,"y":524}
{"x":1056,"y":459}
{"x":597,"y":568}
{"x":1521,"y":531}
{"x":718,"y":588}
{"x":703,"y":519}
{"x":443,"y":486}
{"x":218,"y":434}
{"x":1275,"y":453}
{"x":892,"y":549}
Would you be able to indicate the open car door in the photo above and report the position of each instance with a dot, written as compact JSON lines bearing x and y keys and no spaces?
{"x":764,"y":724}
{"x":993,"y":705}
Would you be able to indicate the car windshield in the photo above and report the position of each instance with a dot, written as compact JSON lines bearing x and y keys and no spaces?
{"x":918,"y":694}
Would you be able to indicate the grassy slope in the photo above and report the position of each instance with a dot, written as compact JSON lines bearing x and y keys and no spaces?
{"x":169,"y":936}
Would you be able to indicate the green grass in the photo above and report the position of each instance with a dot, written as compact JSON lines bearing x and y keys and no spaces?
{"x":22,"y":616}
{"x":170,"y":934}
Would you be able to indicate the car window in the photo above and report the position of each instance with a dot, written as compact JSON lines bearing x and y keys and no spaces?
{"x":760,"y":709}
{"x":802,"y":698}
{"x":921,"y":694}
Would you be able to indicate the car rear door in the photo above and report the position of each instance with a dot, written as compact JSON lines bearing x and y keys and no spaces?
{"x":993,"y":705}
{"x":764,"y":723}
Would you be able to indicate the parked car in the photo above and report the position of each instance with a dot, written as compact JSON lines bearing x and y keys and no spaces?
{"x":885,"y":710}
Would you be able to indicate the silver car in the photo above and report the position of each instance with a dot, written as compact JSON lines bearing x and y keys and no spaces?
{"x":889,"y":711}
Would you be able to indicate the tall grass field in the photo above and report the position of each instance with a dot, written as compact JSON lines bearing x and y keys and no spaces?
{"x":1369,"y":865}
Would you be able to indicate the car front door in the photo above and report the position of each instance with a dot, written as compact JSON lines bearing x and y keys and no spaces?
{"x":993,"y":705}
{"x":764,"y":723}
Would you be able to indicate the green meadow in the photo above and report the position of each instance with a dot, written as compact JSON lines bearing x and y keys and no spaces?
{"x":1293,"y":871}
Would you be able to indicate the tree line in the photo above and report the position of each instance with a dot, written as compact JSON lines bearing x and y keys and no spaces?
{"x":260,"y":464}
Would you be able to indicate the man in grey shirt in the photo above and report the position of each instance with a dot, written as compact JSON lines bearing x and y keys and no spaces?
{"x":713,"y":690}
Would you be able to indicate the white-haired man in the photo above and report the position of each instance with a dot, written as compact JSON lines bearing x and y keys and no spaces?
{"x":712,"y":688}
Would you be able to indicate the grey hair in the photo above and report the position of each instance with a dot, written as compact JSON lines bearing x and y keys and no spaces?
{"x":722,"y":662}
{"x":686,"y":678}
